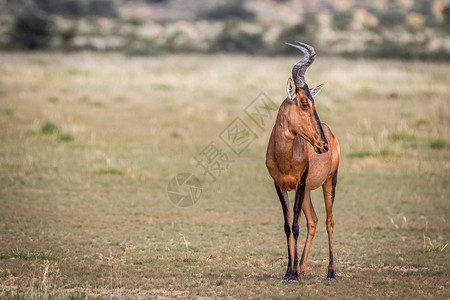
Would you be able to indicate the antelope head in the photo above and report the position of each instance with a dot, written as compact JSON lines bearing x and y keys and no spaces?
{"x":302,"y":115}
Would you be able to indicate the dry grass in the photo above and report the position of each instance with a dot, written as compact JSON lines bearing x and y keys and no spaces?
{"x":85,"y":211}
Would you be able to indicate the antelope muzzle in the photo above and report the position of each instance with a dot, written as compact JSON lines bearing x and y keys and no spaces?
{"x":321,"y":146}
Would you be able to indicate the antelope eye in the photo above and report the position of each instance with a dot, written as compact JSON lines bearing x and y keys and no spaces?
{"x":306,"y":105}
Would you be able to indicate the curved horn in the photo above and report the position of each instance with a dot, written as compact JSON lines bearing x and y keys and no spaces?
{"x":311,"y":51}
{"x":299,"y":69}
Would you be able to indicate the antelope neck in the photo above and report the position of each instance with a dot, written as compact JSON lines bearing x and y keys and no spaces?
{"x":284,"y":139}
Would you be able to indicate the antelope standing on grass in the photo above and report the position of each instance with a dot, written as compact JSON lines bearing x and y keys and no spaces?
{"x":303,"y":155}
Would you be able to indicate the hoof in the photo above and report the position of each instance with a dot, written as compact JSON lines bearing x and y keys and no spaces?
{"x":291,"y":277}
{"x":289,"y":281}
{"x":287,"y":275}
{"x":331,"y":275}
{"x":294,"y":277}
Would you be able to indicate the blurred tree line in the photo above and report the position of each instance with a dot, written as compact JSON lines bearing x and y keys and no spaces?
{"x":34,"y":27}
{"x":66,"y":8}
{"x":56,"y":24}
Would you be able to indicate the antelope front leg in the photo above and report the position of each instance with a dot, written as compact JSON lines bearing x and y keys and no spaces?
{"x":311,"y":221}
{"x":329,"y":188}
{"x":299,"y":197}
{"x":284,"y":200}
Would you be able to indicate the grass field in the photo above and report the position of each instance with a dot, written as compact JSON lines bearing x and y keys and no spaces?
{"x":89,"y":143}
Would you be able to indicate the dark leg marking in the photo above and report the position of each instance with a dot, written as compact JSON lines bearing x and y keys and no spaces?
{"x":331,"y":273}
{"x":331,"y":269}
{"x":333,"y":186}
{"x":299,"y":196}
{"x":287,"y":229}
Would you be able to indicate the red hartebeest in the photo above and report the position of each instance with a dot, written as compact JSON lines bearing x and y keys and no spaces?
{"x":303,"y":155}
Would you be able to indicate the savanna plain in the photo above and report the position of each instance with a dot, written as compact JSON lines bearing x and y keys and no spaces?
{"x":89,"y":143}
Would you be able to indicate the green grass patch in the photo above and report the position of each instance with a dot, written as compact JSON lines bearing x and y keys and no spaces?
{"x":10,"y":111}
{"x":66,"y":137}
{"x":190,"y":260}
{"x":421,"y":123}
{"x":361,"y":154}
{"x":144,"y":51}
{"x":88,"y":100}
{"x":220,"y":282}
{"x":109,"y":171}
{"x":49,"y":128}
{"x":229,"y":100}
{"x":175,"y":135}
{"x":162,"y":87}
{"x":402,"y":136}
{"x":430,"y":245}
{"x":53,"y":99}
{"x":85,"y":99}
{"x":384,"y":153}
{"x":120,"y":99}
{"x":145,"y":261}
{"x":439,"y":144}
{"x":27,"y":255}
{"x":387,"y":153}
{"x":393,"y":95}
{"x":22,"y":254}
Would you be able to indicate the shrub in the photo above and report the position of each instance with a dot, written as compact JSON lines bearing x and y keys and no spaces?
{"x":67,"y":36}
{"x":233,"y":10}
{"x":342,"y":19}
{"x":392,"y":49}
{"x":144,"y":50}
{"x":232,"y":40}
{"x":439,"y":144}
{"x":446,"y":15}
{"x":71,"y":8}
{"x":77,"y":8}
{"x":32,"y":32}
{"x":425,"y":9}
{"x":49,"y":128}
{"x":104,"y":8}
{"x":65,"y":137}
{"x":299,"y":32}
{"x":391,"y":17}
{"x":48,"y":6}
{"x":156,"y":1}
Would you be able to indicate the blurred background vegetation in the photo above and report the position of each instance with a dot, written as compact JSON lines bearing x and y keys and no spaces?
{"x":89,"y":141}
{"x":405,"y":29}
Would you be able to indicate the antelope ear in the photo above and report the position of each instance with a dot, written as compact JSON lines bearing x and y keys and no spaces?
{"x":316,"y":90}
{"x":290,"y":89}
